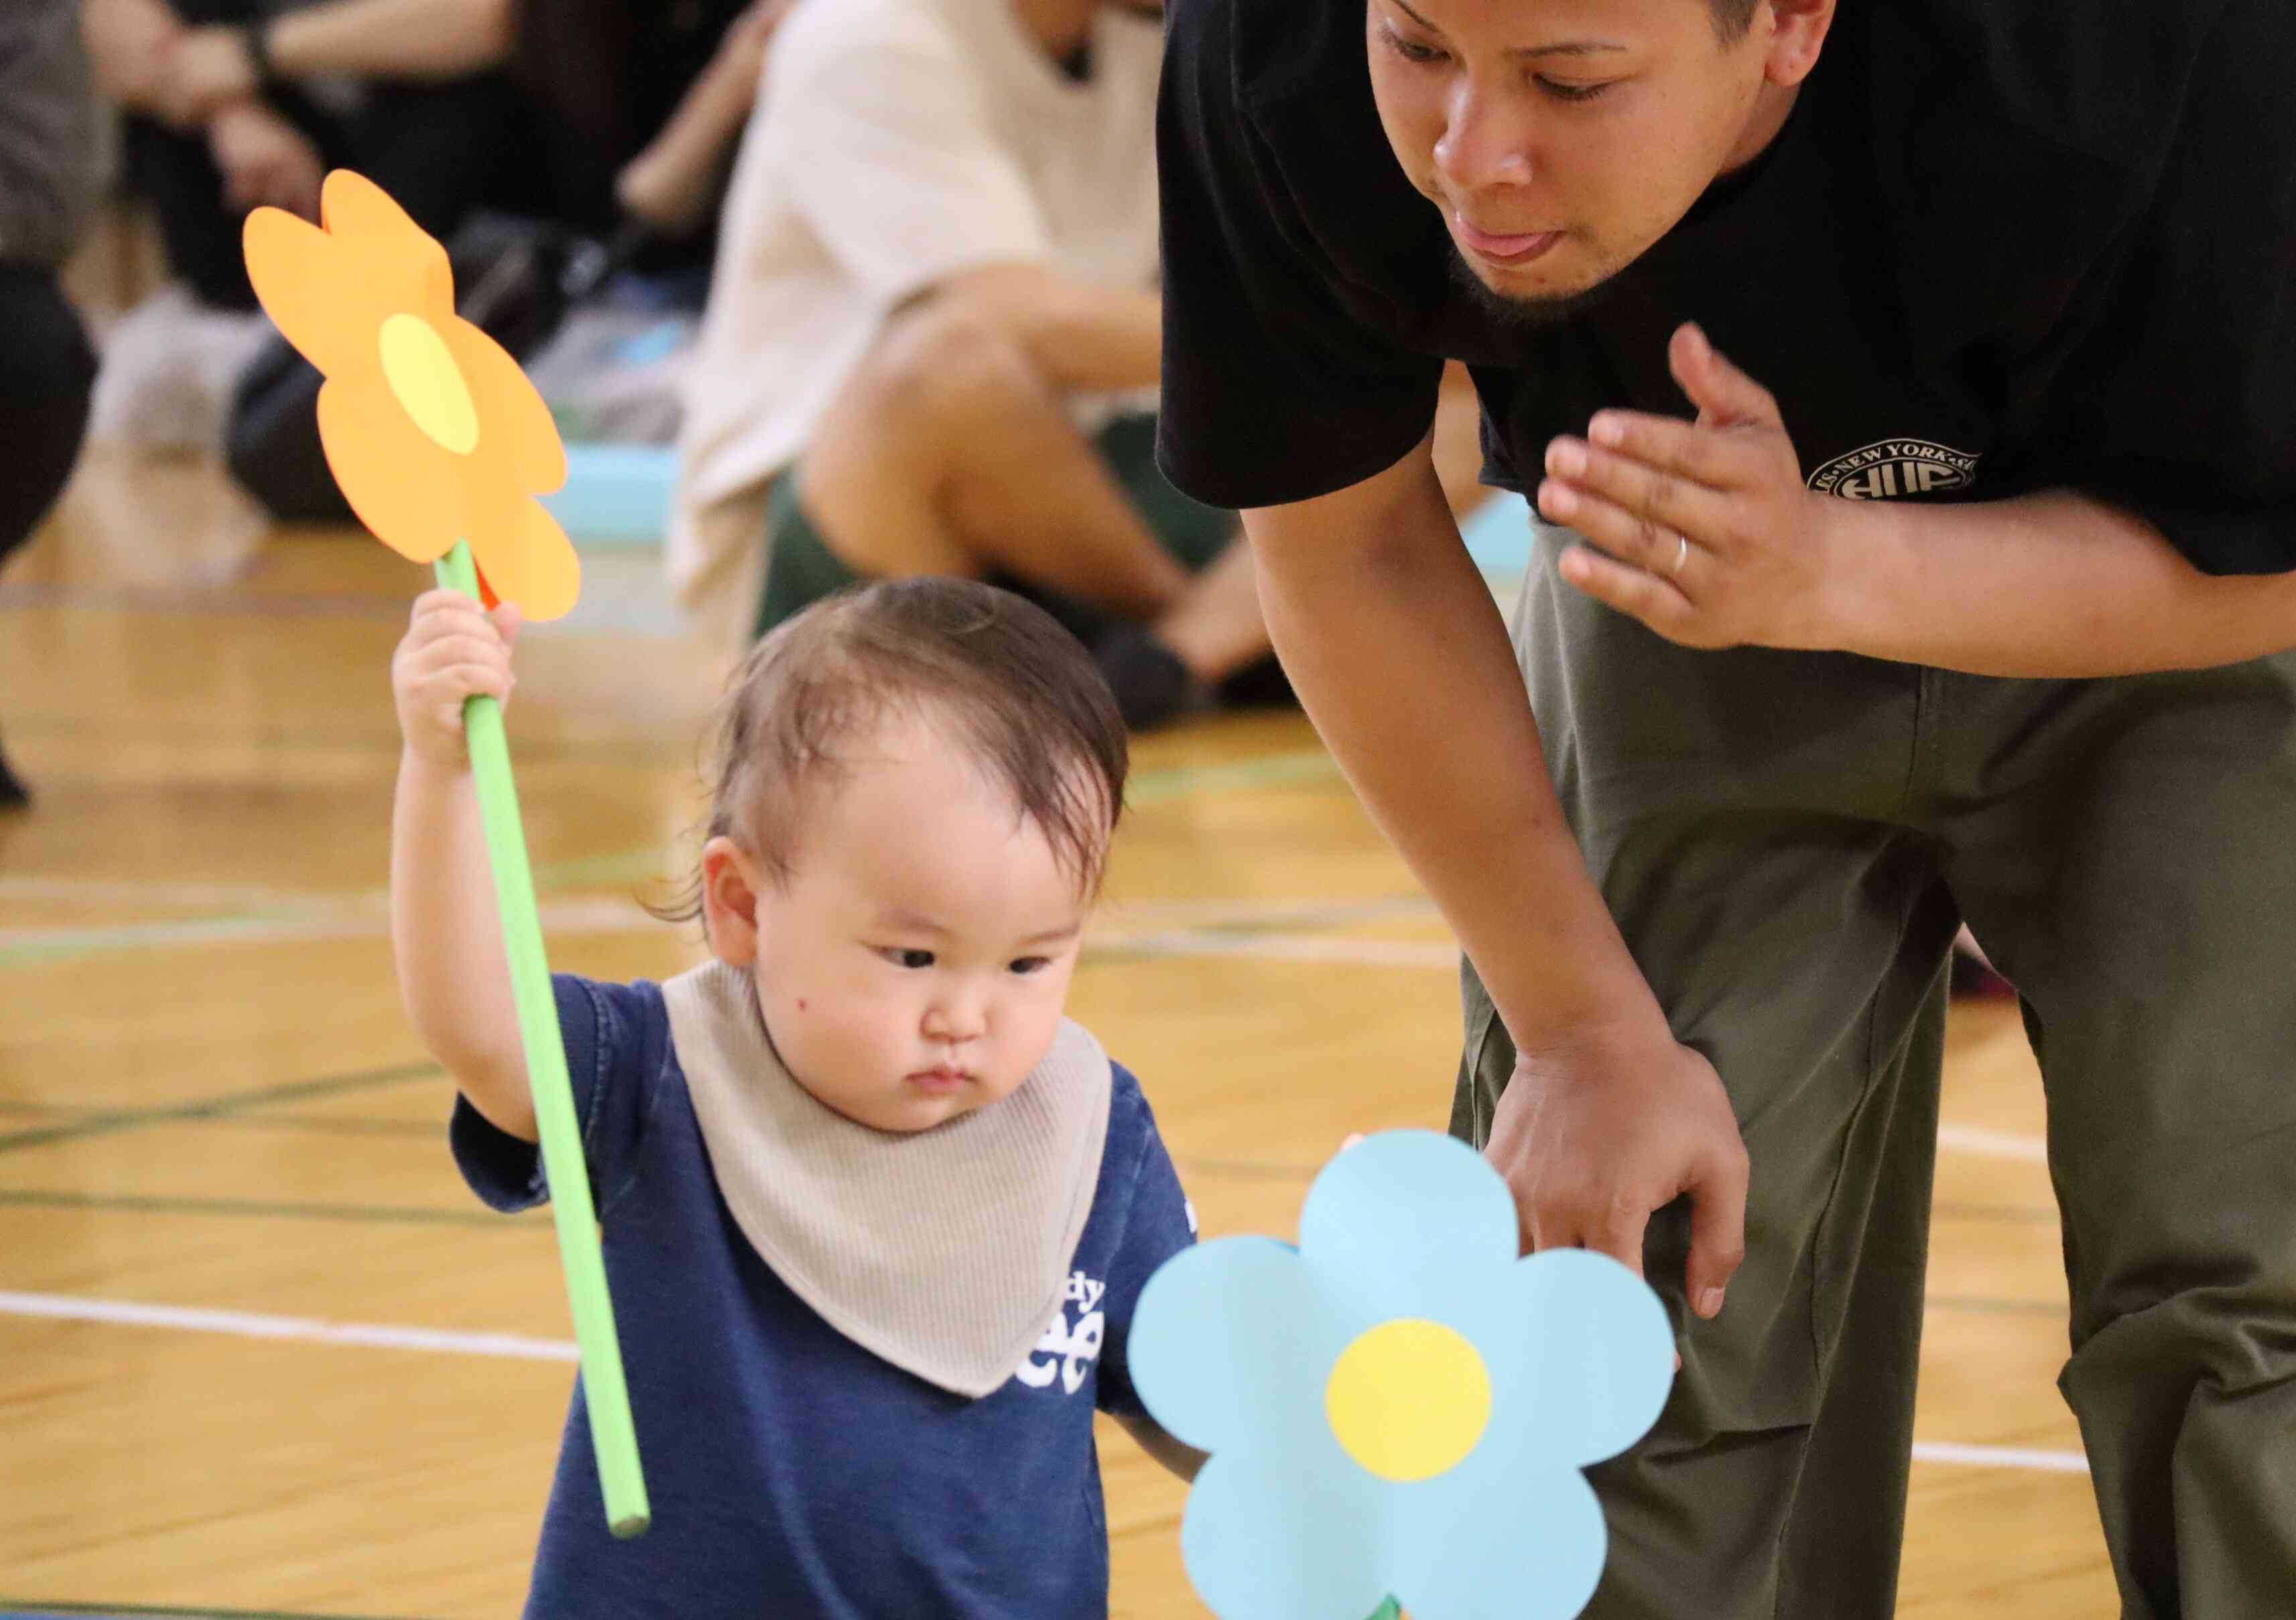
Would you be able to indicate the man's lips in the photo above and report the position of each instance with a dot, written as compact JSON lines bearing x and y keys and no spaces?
{"x":1504,"y":247}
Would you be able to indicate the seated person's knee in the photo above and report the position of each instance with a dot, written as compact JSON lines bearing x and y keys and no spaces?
{"x":941,"y":356}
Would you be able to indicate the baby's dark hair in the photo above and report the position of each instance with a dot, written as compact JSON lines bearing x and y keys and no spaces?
{"x":997,"y":671}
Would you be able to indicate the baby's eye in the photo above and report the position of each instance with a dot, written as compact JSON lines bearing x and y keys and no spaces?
{"x":900,"y":957}
{"x":1025,"y":965}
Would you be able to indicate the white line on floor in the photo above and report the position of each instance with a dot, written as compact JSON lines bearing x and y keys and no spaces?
{"x":66,"y":1307}
{"x":608,"y":915}
{"x":1282,"y":947}
{"x":2000,"y":1457}
{"x":1993,"y":1143}
{"x":349,"y":920}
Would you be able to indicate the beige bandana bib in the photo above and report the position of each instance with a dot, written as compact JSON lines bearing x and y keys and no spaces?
{"x":944,"y":1253}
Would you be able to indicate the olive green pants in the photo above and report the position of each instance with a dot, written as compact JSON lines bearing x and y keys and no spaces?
{"x":800,"y":568}
{"x":1788,"y":841}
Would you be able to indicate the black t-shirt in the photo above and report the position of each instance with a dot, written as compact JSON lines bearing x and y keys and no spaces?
{"x":2000,"y":246}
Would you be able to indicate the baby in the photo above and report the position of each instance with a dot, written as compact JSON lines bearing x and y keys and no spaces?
{"x":875,"y":1214}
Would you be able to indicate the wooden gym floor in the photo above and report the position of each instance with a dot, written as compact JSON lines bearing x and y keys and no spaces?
{"x":261,"y":1354}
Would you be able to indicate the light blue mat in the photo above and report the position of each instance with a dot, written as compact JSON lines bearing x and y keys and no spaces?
{"x":1499,"y":533}
{"x":615,"y":495}
{"x":619,"y":493}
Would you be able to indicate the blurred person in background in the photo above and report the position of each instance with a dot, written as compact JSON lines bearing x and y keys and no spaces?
{"x":933,"y":342}
{"x":48,"y":184}
{"x":602,"y":118}
{"x":233,"y":104}
{"x":586,"y":112}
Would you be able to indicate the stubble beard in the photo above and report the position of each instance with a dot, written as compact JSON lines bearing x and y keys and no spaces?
{"x":1526,"y":314}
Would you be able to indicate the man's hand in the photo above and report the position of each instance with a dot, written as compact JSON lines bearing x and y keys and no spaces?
{"x":265,"y":160}
{"x":1593,"y":1138}
{"x":1706,"y":532}
{"x":205,"y":70}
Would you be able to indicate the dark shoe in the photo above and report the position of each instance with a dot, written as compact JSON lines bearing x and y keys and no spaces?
{"x":1152,"y":687}
{"x":1260,"y":684}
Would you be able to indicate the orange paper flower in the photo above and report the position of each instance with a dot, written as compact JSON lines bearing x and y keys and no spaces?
{"x":431,"y":429}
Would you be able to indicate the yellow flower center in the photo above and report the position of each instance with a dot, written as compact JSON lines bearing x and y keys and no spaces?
{"x":1409,"y":1399}
{"x":428,"y":384}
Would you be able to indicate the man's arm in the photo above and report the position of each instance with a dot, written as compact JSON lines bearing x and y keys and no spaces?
{"x":1398,"y":651}
{"x":1707,"y":534}
{"x":1384,"y":621}
{"x":2051,"y":585}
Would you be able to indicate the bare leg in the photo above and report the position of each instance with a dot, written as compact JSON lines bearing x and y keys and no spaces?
{"x":948,"y":454}
{"x":1458,"y":442}
{"x":1216,"y":627}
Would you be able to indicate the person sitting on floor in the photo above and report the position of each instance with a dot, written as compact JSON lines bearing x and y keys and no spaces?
{"x":933,"y":334}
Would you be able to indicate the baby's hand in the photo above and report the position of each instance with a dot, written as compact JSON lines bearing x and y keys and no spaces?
{"x":453,"y":650}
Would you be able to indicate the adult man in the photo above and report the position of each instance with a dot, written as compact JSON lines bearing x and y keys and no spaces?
{"x":936,"y":285}
{"x":2015,"y":273}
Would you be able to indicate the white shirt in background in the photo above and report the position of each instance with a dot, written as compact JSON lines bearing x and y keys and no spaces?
{"x":896,"y":143}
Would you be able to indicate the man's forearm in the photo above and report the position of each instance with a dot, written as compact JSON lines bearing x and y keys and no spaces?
{"x":2055,"y":585}
{"x":1400,"y":657}
{"x":391,"y":38}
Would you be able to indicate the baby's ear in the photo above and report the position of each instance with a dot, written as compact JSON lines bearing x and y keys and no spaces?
{"x":729,"y":901}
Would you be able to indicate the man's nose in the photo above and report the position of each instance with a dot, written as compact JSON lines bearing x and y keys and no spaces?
{"x":1485,"y":142}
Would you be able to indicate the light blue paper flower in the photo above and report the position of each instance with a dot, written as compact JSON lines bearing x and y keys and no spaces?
{"x":1400,"y":1405}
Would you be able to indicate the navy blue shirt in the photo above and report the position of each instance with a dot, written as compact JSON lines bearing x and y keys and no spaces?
{"x":791,"y":1473}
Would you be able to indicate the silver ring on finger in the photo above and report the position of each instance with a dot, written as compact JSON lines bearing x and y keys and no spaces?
{"x":1681,"y":555}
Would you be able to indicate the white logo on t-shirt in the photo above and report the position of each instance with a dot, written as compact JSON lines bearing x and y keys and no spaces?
{"x":1073,"y":1349}
{"x":1888,"y":468}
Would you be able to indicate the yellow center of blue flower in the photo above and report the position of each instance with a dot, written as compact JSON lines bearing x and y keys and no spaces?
{"x":428,"y":384}
{"x":1409,"y":1399}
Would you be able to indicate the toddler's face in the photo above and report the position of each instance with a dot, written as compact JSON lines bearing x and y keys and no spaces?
{"x":915,"y":966}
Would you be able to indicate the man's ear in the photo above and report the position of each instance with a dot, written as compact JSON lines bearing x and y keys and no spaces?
{"x":1797,"y":35}
{"x":730,"y":886}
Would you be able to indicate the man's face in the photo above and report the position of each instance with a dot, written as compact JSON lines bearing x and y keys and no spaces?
{"x":1561,"y":138}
